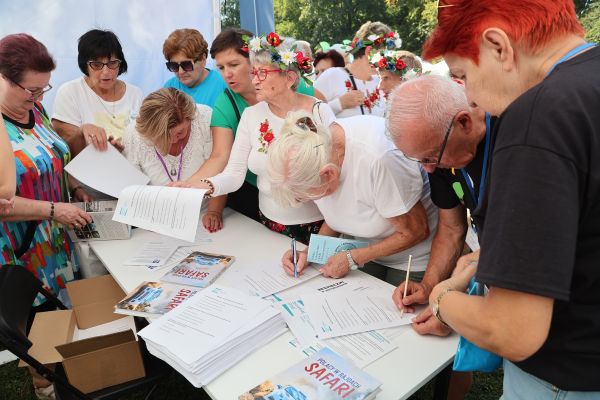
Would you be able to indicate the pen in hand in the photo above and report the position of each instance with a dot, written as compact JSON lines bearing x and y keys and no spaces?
{"x":294,"y":258}
{"x":406,"y":283}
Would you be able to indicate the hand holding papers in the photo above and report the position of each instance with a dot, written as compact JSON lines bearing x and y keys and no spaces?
{"x":166,"y":210}
{"x":320,"y":247}
{"x":106,"y":171}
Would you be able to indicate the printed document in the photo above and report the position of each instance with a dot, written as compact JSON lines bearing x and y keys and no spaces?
{"x":106,"y":171}
{"x":153,"y":254}
{"x":265,"y":280}
{"x":166,"y":210}
{"x":346,"y":313}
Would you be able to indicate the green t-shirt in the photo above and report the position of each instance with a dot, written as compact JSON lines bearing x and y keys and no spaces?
{"x":303,"y":88}
{"x":223,"y":116}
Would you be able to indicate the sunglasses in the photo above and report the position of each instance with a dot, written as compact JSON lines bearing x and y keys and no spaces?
{"x":98,"y":65}
{"x":186,"y":65}
{"x":306,"y":123}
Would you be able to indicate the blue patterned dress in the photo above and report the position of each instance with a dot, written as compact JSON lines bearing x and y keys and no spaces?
{"x":40,"y":155}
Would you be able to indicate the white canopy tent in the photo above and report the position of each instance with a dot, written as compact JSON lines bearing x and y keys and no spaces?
{"x":141,"y":25}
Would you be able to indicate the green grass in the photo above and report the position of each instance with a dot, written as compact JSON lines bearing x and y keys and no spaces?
{"x":15,"y":384}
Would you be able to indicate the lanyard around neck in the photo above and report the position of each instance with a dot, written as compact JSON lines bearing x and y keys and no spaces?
{"x":486,"y":151}
{"x":571,"y":54}
{"x":162,"y":161}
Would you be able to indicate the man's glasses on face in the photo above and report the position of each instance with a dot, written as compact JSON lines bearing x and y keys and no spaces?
{"x":98,"y":65}
{"x":262,"y":73}
{"x":186,"y":65}
{"x":33,"y":92}
{"x":436,"y":162}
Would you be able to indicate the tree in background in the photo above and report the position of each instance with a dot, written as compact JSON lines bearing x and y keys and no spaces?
{"x":230,"y":14}
{"x":333,"y":21}
{"x":591,"y":21}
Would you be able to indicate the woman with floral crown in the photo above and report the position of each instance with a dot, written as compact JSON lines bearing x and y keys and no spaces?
{"x":353,"y":90}
{"x":395,"y":67}
{"x":276,"y":72}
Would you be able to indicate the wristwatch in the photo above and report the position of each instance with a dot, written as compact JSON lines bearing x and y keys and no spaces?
{"x":351,"y":263}
{"x":435,"y":307}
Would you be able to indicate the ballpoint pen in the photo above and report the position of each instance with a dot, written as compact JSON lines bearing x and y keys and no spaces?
{"x":294,"y":258}
{"x":406,"y":282}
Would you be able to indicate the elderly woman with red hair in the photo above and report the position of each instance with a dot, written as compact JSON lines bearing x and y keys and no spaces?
{"x":527,"y":61}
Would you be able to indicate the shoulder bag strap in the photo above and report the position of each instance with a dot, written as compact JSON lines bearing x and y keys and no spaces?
{"x":235,"y":107}
{"x":362,"y":109}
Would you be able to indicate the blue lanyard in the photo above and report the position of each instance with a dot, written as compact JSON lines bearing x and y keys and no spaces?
{"x":486,"y":152}
{"x":570,"y":54}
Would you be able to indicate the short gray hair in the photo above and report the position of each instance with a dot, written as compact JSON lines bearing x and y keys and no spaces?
{"x":429,"y":100}
{"x":263,"y":57}
{"x":304,"y":47}
{"x":296,"y":158}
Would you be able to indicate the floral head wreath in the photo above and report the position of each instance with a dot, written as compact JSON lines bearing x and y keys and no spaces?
{"x":284,"y":59}
{"x":384,"y":41}
{"x":392,"y":61}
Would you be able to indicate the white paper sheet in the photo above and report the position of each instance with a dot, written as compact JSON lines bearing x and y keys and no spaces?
{"x":265,"y":280}
{"x":346,"y":313}
{"x":361,"y":348}
{"x":153,"y":254}
{"x":106,"y":171}
{"x":166,"y":210}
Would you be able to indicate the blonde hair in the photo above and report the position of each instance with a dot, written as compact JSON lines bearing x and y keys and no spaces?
{"x":367,"y":29}
{"x":188,"y":41}
{"x":410,"y":59}
{"x":264,"y":57}
{"x":296,"y":159}
{"x":160,"y":112}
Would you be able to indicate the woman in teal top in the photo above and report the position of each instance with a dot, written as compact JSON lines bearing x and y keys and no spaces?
{"x":186,"y":51}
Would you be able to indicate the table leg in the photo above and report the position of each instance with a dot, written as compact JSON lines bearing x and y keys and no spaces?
{"x":442,"y":380}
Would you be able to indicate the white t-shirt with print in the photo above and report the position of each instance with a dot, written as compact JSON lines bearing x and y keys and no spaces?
{"x":335,"y":82}
{"x":77,"y":104}
{"x":250,"y":150}
{"x":376,"y":183}
{"x":142,"y":154}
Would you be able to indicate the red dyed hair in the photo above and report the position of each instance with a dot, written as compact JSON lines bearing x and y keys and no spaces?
{"x":530,"y":23}
{"x":20,"y":53}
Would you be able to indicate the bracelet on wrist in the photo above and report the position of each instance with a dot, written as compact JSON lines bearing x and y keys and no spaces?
{"x":211,"y":188}
{"x":435,"y":307}
{"x":51,"y":210}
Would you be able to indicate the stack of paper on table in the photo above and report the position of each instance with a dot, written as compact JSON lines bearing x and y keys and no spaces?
{"x":212,"y":331}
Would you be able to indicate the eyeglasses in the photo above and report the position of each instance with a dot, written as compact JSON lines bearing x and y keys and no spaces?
{"x":33,"y":93}
{"x":262,"y":73}
{"x":98,"y":65}
{"x":186,"y":65}
{"x":306,"y":123}
{"x":429,"y":161}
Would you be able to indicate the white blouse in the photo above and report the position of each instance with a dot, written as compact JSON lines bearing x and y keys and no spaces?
{"x":335,"y":82}
{"x":143,"y":155}
{"x":258,"y":127}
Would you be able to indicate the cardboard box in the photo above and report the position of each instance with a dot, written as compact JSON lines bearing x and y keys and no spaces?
{"x":95,"y":363}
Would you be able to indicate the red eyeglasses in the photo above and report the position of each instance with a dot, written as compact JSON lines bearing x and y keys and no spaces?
{"x":262,"y":73}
